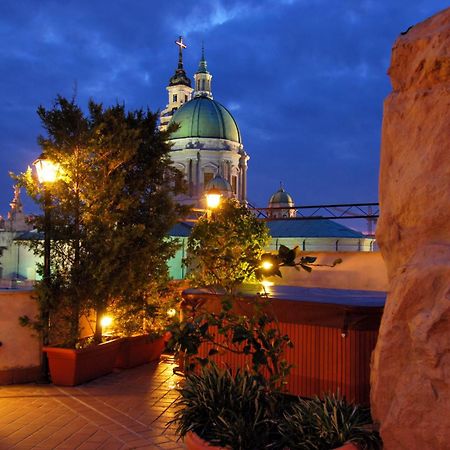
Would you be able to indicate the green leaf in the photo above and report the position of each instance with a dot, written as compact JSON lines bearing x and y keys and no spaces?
{"x":309,"y":259}
{"x":305,"y":267}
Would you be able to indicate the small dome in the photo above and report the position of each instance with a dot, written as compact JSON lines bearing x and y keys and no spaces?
{"x":206,"y":118}
{"x":179,"y":78}
{"x":281,"y":198}
{"x":221,"y":184}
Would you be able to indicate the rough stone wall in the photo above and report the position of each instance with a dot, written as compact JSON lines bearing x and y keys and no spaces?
{"x":411,"y":363}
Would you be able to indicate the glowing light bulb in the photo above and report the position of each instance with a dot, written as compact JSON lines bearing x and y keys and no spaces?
{"x":171,"y":312}
{"x":106,"y":321}
{"x":267,"y":265}
{"x":47,"y":171}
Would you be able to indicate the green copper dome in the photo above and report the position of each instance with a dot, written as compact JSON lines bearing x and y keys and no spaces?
{"x":219,"y":183}
{"x":206,"y":118}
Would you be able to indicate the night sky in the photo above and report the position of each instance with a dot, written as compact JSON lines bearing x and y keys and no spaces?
{"x":305,"y":79}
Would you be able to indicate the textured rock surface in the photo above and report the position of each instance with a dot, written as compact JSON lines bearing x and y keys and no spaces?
{"x":411,"y":362}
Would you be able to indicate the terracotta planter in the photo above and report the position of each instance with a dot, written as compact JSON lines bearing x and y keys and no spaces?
{"x":69,"y":367}
{"x":137,"y":350}
{"x":195,"y":442}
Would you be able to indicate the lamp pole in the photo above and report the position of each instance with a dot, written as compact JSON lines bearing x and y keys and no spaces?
{"x":47,"y":173}
{"x":46,"y":274}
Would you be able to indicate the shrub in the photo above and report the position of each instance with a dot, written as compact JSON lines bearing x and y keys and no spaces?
{"x":227,"y":409}
{"x":323,"y":425}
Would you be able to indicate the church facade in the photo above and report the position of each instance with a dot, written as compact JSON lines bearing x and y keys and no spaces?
{"x":208,"y":142}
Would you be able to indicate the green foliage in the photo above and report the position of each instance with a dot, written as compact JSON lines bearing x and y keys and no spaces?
{"x":111,"y":208}
{"x":237,"y":411}
{"x":323,"y":425}
{"x":271,"y":263}
{"x":226,"y":250}
{"x":257,"y":336}
{"x":146,"y":312}
{"x":227,"y":409}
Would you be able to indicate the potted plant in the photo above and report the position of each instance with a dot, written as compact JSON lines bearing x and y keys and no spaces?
{"x":219,"y":409}
{"x":106,"y":221}
{"x":142,"y":322}
{"x":331,"y":423}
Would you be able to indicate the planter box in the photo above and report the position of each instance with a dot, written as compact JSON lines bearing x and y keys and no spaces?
{"x":349,"y":446}
{"x":137,"y":350}
{"x":70,"y":367}
{"x":194,"y":442}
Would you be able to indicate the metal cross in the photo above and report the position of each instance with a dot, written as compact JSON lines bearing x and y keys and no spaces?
{"x":180,"y":43}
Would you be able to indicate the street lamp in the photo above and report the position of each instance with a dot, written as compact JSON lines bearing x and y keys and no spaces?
{"x":47,"y":172}
{"x":213,"y":199}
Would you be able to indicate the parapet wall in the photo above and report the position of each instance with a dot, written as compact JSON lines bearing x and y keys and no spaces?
{"x":19,"y":349}
{"x":358,"y":270}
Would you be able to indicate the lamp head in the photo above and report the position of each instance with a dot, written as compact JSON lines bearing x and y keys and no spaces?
{"x":213,"y":198}
{"x":47,"y":170}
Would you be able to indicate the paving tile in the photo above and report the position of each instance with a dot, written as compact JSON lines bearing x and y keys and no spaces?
{"x":89,"y":446}
{"x":172,"y":445}
{"x":126,"y":409}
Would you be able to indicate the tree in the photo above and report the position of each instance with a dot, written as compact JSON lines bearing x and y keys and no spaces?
{"x":226,"y":250}
{"x":111,"y":208}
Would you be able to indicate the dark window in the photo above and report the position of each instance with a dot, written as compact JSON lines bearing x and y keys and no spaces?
{"x":175,"y":97}
{"x":185,"y":98}
{"x":207,"y":177}
{"x":234,"y":184}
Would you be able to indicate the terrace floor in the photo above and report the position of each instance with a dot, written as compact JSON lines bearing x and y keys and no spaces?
{"x":124,"y":410}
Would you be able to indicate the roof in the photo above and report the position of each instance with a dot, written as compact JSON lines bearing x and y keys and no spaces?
{"x":311,"y":228}
{"x":219,"y":183}
{"x":181,"y":229}
{"x":207,"y":118}
{"x":281,"y":196}
{"x":32,"y":235}
{"x":179,"y":78}
{"x":282,"y":228}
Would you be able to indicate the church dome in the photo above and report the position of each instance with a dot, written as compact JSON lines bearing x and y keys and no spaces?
{"x":221,"y":184}
{"x":204,"y":117}
{"x":281,"y":198}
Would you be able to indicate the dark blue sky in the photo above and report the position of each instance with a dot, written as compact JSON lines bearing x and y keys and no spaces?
{"x":305,"y":79}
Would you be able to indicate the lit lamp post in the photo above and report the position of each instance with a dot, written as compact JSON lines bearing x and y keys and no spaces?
{"x":213,"y":199}
{"x":47,"y":172}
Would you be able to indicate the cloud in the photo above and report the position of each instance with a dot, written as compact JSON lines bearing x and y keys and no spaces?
{"x":205,"y":17}
{"x":305,"y":79}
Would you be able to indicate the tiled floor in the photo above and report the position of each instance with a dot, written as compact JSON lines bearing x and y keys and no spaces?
{"x":124,"y":410}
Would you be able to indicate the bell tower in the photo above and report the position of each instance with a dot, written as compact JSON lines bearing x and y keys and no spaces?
{"x":203,"y":79}
{"x":179,"y":88}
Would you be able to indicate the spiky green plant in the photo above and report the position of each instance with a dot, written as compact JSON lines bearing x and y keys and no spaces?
{"x":325,"y":424}
{"x":227,"y":409}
